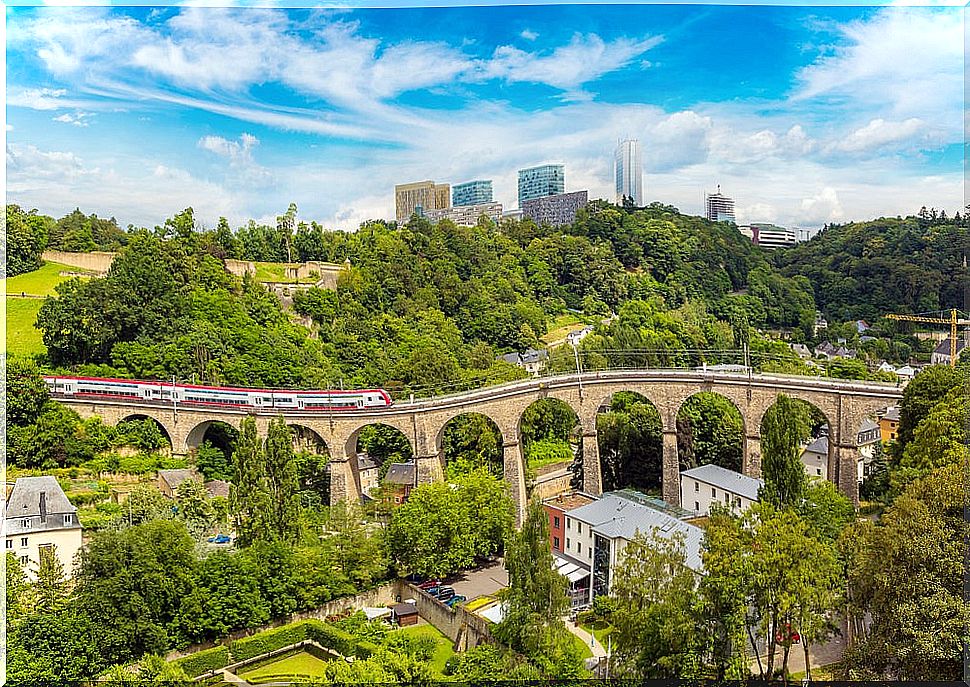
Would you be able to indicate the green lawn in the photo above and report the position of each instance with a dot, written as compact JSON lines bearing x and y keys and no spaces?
{"x":443,"y":651}
{"x":276,"y":271}
{"x":299,"y":664}
{"x":560,"y":326}
{"x":40,"y":282}
{"x":22,"y":338}
{"x":582,"y":646}
{"x":600,"y":629}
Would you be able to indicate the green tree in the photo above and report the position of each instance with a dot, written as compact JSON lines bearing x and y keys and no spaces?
{"x":194,"y":507}
{"x":782,"y":429}
{"x":26,"y":392}
{"x":52,"y":585}
{"x":710,"y":430}
{"x":921,"y":396}
{"x":19,"y":593}
{"x":630,"y":443}
{"x":282,"y":482}
{"x":536,"y":601}
{"x":655,"y":633}
{"x":429,"y":533}
{"x":356,"y":550}
{"x":249,"y":495}
{"x":27,"y":235}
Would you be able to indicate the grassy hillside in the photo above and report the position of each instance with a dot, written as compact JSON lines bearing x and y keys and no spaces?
{"x":22,"y":337}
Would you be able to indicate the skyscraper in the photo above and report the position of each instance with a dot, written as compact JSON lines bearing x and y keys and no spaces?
{"x":426,"y":195}
{"x":472,"y":193}
{"x":544,"y":180}
{"x":629,"y":172}
{"x":718,"y":207}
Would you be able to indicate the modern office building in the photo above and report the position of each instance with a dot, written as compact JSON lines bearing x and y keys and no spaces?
{"x":536,"y":182}
{"x":472,"y":193}
{"x":555,"y":210}
{"x":629,"y":172}
{"x":420,"y":196}
{"x":466,"y":215}
{"x":718,"y":207}
{"x":768,"y":236}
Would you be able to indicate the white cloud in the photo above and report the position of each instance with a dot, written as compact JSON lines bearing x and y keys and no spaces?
{"x":822,"y":207}
{"x":567,"y":67}
{"x":879,"y":133}
{"x":37,"y":98}
{"x":243,"y":150}
{"x":529,"y":35}
{"x":680,"y":140}
{"x":77,"y":119}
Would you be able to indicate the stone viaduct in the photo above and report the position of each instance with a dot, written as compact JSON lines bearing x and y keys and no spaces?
{"x":845,"y":405}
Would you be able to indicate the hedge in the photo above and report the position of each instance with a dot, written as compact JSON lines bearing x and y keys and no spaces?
{"x":265,"y":642}
{"x":204,"y":661}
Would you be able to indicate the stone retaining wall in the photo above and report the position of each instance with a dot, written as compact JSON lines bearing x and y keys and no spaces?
{"x":466,"y":630}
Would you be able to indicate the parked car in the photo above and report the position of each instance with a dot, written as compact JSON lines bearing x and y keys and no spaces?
{"x":219,"y":539}
{"x":428,"y":584}
{"x":457,"y":599}
{"x":446,"y":595}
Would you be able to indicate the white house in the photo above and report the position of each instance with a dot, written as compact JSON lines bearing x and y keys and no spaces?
{"x":705,"y":485}
{"x":368,"y":471}
{"x":906,"y":373}
{"x":596,"y":535}
{"x":39,"y":516}
{"x":531,"y":360}
{"x":573,"y":338}
{"x":815,"y":458}
{"x":941,"y":354}
{"x":868,"y":438}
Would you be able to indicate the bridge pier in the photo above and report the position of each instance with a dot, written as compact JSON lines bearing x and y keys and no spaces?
{"x":848,"y":475}
{"x":343,"y":486}
{"x":592,"y":473}
{"x":752,"y":456}
{"x":671,"y":469}
{"x":515,"y":476}
{"x":429,"y":469}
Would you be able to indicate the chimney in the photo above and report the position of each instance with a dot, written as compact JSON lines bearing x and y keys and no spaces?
{"x":43,"y":506}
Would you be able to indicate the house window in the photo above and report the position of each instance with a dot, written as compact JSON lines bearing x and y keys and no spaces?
{"x":10,"y":543}
{"x":818,"y":471}
{"x":568,"y":523}
{"x":25,"y":522}
{"x":579,"y":547}
{"x":567,"y":543}
{"x":697,"y":506}
{"x":555,"y":521}
{"x":23,"y":541}
{"x":713,"y":493}
{"x":697,"y":487}
{"x":579,"y":527}
{"x":68,"y":519}
{"x":727,"y":499}
{"x":555,"y":542}
{"x":24,"y":560}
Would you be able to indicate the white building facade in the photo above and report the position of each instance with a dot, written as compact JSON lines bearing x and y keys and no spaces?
{"x":705,"y":485}
{"x":40,"y":516}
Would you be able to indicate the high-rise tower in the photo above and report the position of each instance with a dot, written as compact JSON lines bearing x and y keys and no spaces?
{"x":718,"y":207}
{"x":545,"y":180}
{"x":629,"y":172}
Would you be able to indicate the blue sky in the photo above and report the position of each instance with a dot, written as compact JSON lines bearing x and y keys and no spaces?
{"x":805,"y":115}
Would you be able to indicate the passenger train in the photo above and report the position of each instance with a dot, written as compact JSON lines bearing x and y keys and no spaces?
{"x":191,"y":394}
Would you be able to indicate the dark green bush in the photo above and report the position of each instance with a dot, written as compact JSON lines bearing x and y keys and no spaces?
{"x":203,"y":661}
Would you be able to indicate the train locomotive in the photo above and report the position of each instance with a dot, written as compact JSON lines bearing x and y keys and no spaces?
{"x":213,"y":396}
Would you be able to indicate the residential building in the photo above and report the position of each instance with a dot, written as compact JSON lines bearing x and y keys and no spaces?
{"x":820,"y":323}
{"x":597,"y":534}
{"x":168,"y":481}
{"x":886,"y":367}
{"x":466,"y":215}
{"x":868,"y":439}
{"x":556,"y":508}
{"x":39,"y":516}
{"x":531,"y":360}
{"x":801,"y":350}
{"x":906,"y":372}
{"x":628,"y":172}
{"x":889,"y":424}
{"x":555,"y":210}
{"x":368,"y":472}
{"x":861,"y":326}
{"x":573,"y":338}
{"x":718,"y":207}
{"x":544,"y":180}
{"x":828,"y":351}
{"x":941,"y":354}
{"x":402,"y":478}
{"x":472,"y":193}
{"x":705,"y":485}
{"x":217,"y":488}
{"x":768,"y":236}
{"x":420,"y":197}
{"x":815,"y":458}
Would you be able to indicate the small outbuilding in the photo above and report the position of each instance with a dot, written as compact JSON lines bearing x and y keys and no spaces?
{"x":405,"y":614}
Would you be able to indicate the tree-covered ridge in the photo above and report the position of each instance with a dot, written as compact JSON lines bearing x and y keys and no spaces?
{"x":420,"y":307}
{"x":869,"y":269}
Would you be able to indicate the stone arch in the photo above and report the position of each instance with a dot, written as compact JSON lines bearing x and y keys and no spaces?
{"x":646,"y":471}
{"x":195,"y":436}
{"x":687,"y":454}
{"x":139,"y":417}
{"x":554,"y":422}
{"x":305,"y":438}
{"x":389,"y":450}
{"x":819,"y":451}
{"x":486,"y":424}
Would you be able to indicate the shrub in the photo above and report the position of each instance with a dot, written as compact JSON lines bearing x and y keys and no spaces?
{"x":204,"y":661}
{"x":265,"y":642}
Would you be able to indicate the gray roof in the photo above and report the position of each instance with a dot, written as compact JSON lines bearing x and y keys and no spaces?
{"x":820,"y":446}
{"x":217,"y":487}
{"x":365,"y":462}
{"x":176,"y":476}
{"x":867,"y":426}
{"x":728,"y":480}
{"x":400,"y":473}
{"x":25,"y":502}
{"x":943,"y":348}
{"x":613,"y":516}
{"x":892,"y":413}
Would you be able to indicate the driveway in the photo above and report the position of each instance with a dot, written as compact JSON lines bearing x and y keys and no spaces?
{"x":482,"y":581}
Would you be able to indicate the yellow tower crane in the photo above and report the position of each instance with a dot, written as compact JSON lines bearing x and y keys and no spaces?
{"x":952,"y":320}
